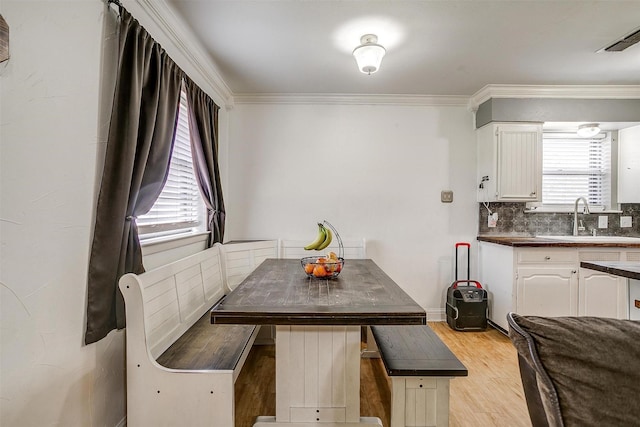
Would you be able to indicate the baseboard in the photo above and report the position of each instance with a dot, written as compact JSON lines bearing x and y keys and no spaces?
{"x":436,"y":315}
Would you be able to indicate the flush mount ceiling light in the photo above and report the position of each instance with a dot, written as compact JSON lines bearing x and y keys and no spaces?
{"x":588,"y":130}
{"x":369,"y":54}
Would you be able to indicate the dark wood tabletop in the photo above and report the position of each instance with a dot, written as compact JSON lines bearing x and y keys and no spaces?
{"x":628,"y":269}
{"x":278,"y":292}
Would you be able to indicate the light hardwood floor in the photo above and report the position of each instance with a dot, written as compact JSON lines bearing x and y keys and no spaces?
{"x":490,"y":396}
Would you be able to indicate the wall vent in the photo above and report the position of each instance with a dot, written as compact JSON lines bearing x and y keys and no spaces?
{"x":624,"y":43}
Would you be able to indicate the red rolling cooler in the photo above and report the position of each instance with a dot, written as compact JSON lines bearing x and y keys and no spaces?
{"x":466,"y":301}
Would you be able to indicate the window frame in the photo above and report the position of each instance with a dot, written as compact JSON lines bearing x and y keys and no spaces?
{"x":161,"y":231}
{"x":612,"y":206}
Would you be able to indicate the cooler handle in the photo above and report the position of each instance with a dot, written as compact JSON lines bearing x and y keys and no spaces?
{"x":468,"y":245}
{"x":478,"y":285}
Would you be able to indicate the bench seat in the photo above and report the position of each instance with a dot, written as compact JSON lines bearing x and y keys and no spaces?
{"x":209,"y":347}
{"x":181,"y":369}
{"x":420,"y":366}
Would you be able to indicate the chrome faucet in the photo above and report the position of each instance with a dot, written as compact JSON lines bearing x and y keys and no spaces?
{"x":575,"y":214}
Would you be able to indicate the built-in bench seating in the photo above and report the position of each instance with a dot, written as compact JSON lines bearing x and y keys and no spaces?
{"x":420,"y":366}
{"x":181,"y":369}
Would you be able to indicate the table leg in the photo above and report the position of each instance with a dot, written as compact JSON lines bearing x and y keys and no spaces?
{"x":318,"y":377}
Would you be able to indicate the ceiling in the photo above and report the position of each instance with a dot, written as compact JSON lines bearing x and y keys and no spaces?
{"x":433,"y":47}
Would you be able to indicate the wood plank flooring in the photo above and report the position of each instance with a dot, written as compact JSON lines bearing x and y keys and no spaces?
{"x":490,"y":396}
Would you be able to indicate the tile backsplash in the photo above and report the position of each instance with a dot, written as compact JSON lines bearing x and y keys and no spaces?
{"x":513,"y":220}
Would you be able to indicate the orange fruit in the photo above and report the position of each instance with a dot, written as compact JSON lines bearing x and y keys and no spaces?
{"x":319,"y":271}
{"x":308,"y":268}
{"x":321,"y":260}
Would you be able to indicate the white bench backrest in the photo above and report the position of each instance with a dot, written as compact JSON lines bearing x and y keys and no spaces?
{"x":176,"y":295}
{"x":242,"y":258}
{"x":353,"y":249}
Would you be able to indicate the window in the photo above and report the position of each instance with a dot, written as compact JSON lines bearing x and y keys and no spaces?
{"x":575,"y":167}
{"x":179,"y":209}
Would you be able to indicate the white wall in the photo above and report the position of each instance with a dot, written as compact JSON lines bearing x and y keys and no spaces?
{"x":52,"y":138}
{"x":372,"y":171}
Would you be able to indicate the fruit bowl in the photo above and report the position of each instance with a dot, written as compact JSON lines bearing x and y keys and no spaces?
{"x":322,"y":267}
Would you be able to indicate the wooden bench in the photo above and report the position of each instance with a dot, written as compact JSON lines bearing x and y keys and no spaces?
{"x":420,"y":366}
{"x":181,"y":369}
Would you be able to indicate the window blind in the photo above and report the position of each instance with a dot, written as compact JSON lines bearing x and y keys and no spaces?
{"x":179,"y":208}
{"x":575,"y":167}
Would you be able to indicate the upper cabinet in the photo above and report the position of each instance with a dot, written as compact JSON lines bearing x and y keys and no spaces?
{"x":510,"y":162}
{"x":629,"y":165}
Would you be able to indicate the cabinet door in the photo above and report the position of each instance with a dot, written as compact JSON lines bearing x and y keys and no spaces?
{"x":602,"y":295}
{"x":547,"y":291}
{"x":519,"y":162}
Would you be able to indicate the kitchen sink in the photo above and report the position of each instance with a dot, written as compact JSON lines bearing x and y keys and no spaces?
{"x":595,"y":239}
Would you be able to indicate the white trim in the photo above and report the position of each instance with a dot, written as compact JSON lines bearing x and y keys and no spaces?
{"x":152,"y":246}
{"x":347,"y":99}
{"x":436,"y":315}
{"x":178,"y":33}
{"x":553,"y":91}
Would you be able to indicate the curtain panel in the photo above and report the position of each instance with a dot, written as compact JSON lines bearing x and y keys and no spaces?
{"x":203,"y":127}
{"x":139,"y":146}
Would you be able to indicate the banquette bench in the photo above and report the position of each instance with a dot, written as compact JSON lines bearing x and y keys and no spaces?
{"x":181,"y":369}
{"x":420,"y":366}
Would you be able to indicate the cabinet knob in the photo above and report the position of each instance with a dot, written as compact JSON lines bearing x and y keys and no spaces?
{"x":547,"y":258}
{"x":573,"y":271}
{"x":533,"y":193}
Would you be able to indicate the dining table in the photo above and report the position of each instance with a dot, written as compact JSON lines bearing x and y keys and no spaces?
{"x":318,"y":334}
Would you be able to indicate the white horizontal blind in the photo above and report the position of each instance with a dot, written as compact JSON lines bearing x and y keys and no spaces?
{"x":179,"y":208}
{"x":575,"y":167}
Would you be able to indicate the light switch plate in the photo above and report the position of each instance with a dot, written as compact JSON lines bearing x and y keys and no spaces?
{"x":625,"y":221}
{"x":446,"y":196}
{"x":603,"y":221}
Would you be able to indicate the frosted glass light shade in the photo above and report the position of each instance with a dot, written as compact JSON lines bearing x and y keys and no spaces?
{"x":588,"y":130}
{"x":369,"y":54}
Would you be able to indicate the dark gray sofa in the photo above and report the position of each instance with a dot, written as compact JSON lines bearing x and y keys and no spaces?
{"x":579,"y":371}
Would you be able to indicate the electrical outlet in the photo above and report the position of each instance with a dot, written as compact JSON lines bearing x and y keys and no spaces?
{"x":603,"y":221}
{"x":493,"y":220}
{"x":446,"y":196}
{"x":625,"y":221}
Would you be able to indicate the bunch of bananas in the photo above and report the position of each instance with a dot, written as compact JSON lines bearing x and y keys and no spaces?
{"x":323,"y":239}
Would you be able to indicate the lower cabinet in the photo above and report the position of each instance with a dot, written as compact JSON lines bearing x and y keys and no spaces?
{"x":549,"y":282}
{"x":602,"y":295}
{"x":547,"y":291}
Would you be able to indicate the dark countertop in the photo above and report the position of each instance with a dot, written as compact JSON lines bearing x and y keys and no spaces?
{"x":278,"y":292}
{"x":628,"y":269}
{"x":535,"y":242}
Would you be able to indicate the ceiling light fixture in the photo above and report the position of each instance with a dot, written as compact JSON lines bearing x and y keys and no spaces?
{"x":369,"y":54}
{"x":588,"y":130}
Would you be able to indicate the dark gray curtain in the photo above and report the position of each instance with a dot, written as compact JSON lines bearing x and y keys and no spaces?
{"x":203,"y":126}
{"x":141,"y":132}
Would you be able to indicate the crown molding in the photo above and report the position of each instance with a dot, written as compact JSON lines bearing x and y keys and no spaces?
{"x":349,"y":99}
{"x":184,"y":44}
{"x":554,"y":91}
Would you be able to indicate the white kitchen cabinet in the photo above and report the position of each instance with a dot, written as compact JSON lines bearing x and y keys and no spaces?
{"x":510,"y":162}
{"x":550,"y":282}
{"x":547,"y":291}
{"x":601,"y":294}
{"x":629,"y":165}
